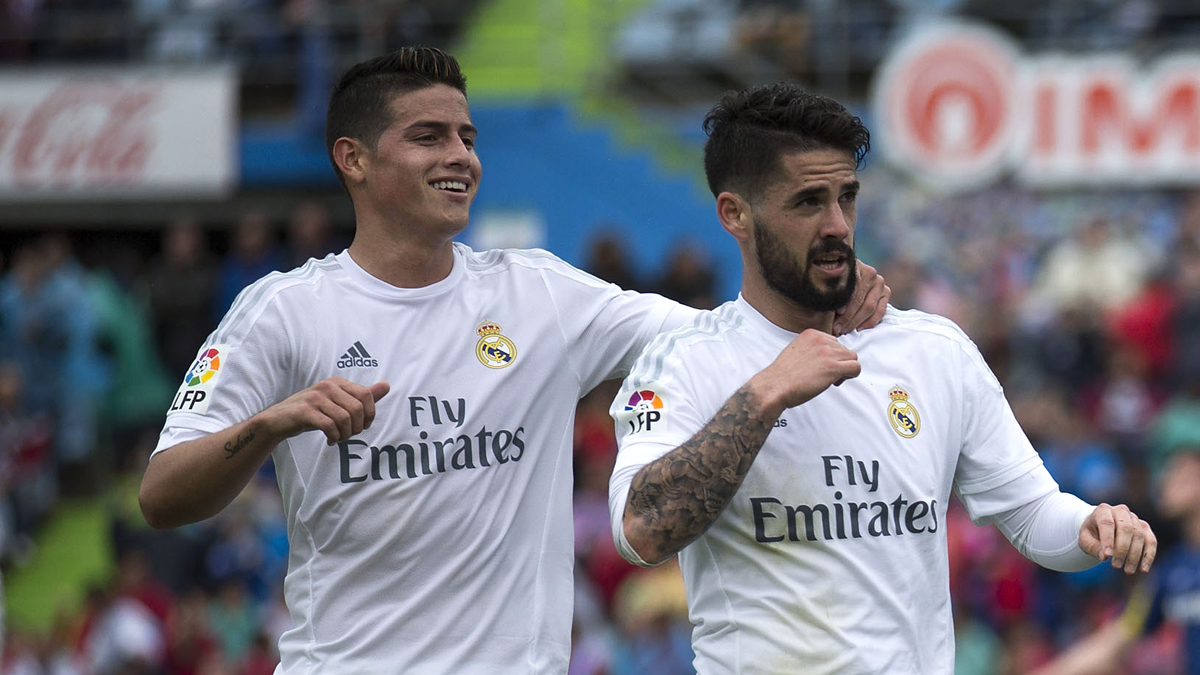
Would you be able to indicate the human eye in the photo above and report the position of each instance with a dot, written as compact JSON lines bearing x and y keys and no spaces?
{"x":850,"y":197}
{"x":469,"y":141}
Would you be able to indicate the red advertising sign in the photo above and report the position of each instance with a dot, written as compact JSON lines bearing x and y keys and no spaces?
{"x":116,"y":133}
{"x":958,"y":105}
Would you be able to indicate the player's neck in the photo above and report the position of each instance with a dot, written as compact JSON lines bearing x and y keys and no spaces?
{"x":404,"y":263}
{"x":783,"y":312}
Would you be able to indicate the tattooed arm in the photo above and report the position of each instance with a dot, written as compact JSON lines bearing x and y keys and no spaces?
{"x":194,"y":480}
{"x":675,"y":498}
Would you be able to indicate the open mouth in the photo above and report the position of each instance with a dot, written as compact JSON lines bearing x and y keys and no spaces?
{"x":830,"y":261}
{"x":457,"y":187}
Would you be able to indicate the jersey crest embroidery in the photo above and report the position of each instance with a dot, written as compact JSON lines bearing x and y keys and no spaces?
{"x":903,"y":414}
{"x":494,"y":350}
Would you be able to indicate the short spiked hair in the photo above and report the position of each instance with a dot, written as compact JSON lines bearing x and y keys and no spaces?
{"x":360,"y":106}
{"x":749,"y":130}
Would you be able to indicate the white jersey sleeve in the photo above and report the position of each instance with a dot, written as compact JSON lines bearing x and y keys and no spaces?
{"x":657,"y":410}
{"x":242,"y":368}
{"x":995,"y":450}
{"x":609,"y":326}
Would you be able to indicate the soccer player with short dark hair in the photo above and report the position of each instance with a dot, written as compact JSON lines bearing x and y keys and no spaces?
{"x":804,"y":482}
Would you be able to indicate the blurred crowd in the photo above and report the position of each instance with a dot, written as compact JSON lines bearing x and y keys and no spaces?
{"x":1087,"y":306}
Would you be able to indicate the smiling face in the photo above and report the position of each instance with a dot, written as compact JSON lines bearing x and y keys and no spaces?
{"x":804,"y":229}
{"x":423,"y":172}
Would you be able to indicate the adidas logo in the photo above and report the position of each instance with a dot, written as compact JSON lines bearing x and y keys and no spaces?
{"x":357,"y":356}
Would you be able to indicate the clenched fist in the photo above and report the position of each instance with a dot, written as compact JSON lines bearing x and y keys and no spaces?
{"x":806,"y":367}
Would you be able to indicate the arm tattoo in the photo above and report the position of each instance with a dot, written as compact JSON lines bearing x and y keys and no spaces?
{"x":678,"y":496}
{"x":232,"y":447}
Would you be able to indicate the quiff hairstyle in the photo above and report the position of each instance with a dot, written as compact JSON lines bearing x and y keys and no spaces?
{"x":750,"y":130}
{"x":360,"y":105}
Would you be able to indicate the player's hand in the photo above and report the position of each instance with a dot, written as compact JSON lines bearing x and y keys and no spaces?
{"x":1115,"y":532}
{"x":807,"y":366}
{"x":867,"y":305}
{"x":336,"y":406}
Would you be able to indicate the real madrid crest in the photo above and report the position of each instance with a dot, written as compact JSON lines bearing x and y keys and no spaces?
{"x":493,"y":349}
{"x":903,"y":414}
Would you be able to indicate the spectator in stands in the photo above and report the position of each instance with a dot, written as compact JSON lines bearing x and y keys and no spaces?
{"x":1093,"y":270}
{"x":310,"y":235}
{"x":689,"y":277}
{"x":1184,"y":326}
{"x":182,"y":287}
{"x":653,"y":633}
{"x":608,"y":259}
{"x":26,"y":468}
{"x":191,"y":647}
{"x":52,"y":332}
{"x":138,"y":387}
{"x":254,"y":253}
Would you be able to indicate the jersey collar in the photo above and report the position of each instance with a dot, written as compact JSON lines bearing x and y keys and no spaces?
{"x":381,"y":288}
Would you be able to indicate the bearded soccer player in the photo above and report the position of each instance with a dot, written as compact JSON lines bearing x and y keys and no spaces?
{"x":810,"y":519}
{"x":429,"y":528}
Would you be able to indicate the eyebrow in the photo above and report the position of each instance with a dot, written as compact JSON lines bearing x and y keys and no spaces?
{"x":817,"y":190}
{"x":440,"y":126}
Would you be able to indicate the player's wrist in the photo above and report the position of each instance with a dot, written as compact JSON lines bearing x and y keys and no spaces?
{"x":269,"y":427}
{"x":767,"y":396}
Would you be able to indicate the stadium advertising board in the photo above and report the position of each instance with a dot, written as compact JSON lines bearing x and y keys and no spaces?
{"x":117,"y":133}
{"x":958,"y":105}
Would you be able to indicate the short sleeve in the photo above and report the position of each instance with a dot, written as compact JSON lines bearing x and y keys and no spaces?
{"x":994,"y":450}
{"x":605,"y":327}
{"x":652,"y":418}
{"x":239,"y":371}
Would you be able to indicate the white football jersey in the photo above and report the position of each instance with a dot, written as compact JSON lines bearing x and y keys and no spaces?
{"x":440,"y":540}
{"x":831,"y":557}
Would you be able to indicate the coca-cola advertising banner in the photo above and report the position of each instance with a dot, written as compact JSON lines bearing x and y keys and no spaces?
{"x":959,"y":106}
{"x":125,"y":133}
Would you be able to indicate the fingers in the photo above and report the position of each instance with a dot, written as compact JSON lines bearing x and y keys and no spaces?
{"x":1116,"y":532}
{"x":867,"y":305}
{"x":1150,"y":548}
{"x":847,"y":368}
{"x":1122,"y":534}
{"x":338,"y":408}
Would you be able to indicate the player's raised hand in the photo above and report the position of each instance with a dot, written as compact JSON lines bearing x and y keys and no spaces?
{"x":1116,"y":533}
{"x":806,"y":367}
{"x":867,"y":305}
{"x":336,"y":406}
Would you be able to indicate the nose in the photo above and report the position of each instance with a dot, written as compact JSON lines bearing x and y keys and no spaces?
{"x":459,"y":154}
{"x":836,"y":224}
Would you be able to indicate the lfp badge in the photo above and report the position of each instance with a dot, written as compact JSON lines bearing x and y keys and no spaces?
{"x":196,"y":391}
{"x":903,"y":414}
{"x":494,"y":350}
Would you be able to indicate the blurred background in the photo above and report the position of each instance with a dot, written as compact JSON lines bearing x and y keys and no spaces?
{"x":1035,"y":177}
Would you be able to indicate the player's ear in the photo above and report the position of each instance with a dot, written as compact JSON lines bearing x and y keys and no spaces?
{"x":735,"y":215}
{"x":350,"y":155}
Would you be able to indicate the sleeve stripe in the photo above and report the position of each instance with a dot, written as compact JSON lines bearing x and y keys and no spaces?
{"x":706,"y":325}
{"x":251,"y":297}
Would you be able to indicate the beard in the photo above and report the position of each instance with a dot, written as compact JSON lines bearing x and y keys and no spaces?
{"x":786,"y":275}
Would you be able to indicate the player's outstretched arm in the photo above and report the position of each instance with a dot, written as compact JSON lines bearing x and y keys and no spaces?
{"x":867,"y":305}
{"x":1116,"y":533}
{"x":675,"y":498}
{"x":196,"y":479}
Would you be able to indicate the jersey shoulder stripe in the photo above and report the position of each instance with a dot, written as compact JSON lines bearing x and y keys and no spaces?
{"x":711,"y":325}
{"x":503,"y":259}
{"x":255,"y":296}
